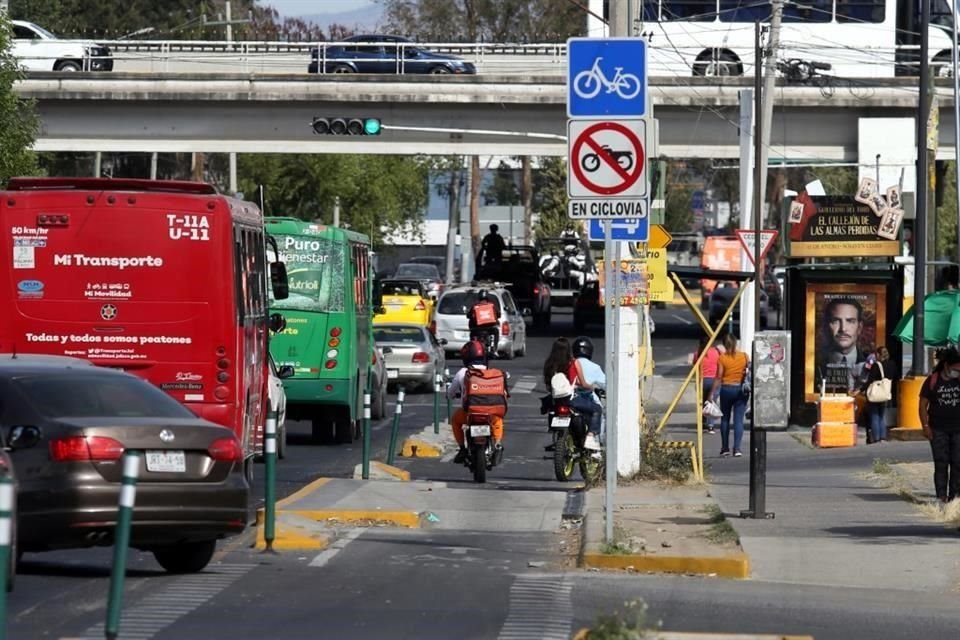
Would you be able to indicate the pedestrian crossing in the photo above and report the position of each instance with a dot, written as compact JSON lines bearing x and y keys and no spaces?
{"x":541,"y":608}
{"x":524,"y":384}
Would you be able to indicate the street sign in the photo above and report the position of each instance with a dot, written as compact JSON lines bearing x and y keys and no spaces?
{"x":606,"y":159}
{"x":659,"y":285}
{"x":612,"y":209}
{"x":660,"y":238}
{"x":606,"y":77}
{"x":748,"y":239}
{"x":631,"y":229}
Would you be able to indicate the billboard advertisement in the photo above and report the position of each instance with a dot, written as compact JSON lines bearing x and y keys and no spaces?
{"x":866,"y":224}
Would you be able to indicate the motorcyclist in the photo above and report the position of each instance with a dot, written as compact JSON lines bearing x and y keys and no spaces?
{"x":590,"y":376}
{"x":482,"y":319}
{"x":474,"y":357}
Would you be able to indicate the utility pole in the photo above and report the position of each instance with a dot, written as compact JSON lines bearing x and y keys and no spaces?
{"x":919,"y":364}
{"x":956,"y":125}
{"x":766,"y":123}
{"x":453,"y":215}
{"x":336,"y":211}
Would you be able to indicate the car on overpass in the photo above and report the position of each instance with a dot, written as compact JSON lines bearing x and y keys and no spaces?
{"x":378,"y":53}
{"x":39,"y":50}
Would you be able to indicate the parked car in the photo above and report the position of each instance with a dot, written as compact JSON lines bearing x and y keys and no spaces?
{"x":428,"y":274}
{"x":439,"y":262}
{"x":377,"y":53}
{"x":378,"y":399}
{"x":413,"y":355}
{"x":405,"y":301}
{"x":278,"y":402}
{"x":39,"y":50}
{"x":520,"y":270}
{"x":450,"y":318}
{"x":723,"y":295}
{"x":68,"y":426}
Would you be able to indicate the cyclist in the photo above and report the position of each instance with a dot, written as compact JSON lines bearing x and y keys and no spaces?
{"x":482,"y":318}
{"x":590,"y":377}
{"x":473,"y":356}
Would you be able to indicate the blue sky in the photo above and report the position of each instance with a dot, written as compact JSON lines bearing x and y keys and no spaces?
{"x":307,"y":7}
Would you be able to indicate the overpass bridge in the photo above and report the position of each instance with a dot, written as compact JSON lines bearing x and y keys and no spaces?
{"x":512,"y":114}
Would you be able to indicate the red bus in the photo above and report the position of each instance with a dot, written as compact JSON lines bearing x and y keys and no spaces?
{"x":164,"y":279}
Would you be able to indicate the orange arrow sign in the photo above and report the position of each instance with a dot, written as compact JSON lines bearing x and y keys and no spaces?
{"x":659,"y":237}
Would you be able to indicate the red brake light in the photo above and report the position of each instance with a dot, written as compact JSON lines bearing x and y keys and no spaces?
{"x":421,"y":357}
{"x":226,"y":450}
{"x":563,"y":410}
{"x":75,"y":448}
{"x":420,"y":306}
{"x":221,"y":393}
{"x":330,"y":364}
{"x":505,"y":329}
{"x":536,"y":290}
{"x":335,"y":332}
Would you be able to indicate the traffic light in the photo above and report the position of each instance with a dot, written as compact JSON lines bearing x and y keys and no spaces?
{"x":346,"y":126}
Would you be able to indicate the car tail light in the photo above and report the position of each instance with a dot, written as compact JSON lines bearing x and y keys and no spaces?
{"x":563,"y":410}
{"x":536,"y":290}
{"x":335,"y":332}
{"x":53,"y":220}
{"x":420,"y":306}
{"x":330,"y":364}
{"x":328,"y":388}
{"x":334,"y":342}
{"x":226,"y":450}
{"x":221,"y":393}
{"x":373,"y":360}
{"x":505,"y":329}
{"x":74,"y":448}
{"x":421,"y":357}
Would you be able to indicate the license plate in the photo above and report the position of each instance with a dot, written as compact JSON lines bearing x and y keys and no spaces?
{"x":479,"y":430}
{"x":560,"y":422}
{"x":392,"y":374}
{"x":166,"y":461}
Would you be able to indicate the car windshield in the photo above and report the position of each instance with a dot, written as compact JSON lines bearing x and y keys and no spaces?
{"x":46,"y":33}
{"x":459,"y":302}
{"x":407,"y":335}
{"x":398,"y":288}
{"x":315,"y":268}
{"x":418,"y":271}
{"x":68,"y":395}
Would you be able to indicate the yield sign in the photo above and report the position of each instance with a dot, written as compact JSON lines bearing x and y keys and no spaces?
{"x":606,"y":159}
{"x":748,"y":239}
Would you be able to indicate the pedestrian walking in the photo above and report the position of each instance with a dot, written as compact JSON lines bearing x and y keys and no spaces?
{"x":940,"y":418}
{"x":728,"y":384}
{"x":876,"y":383}
{"x":708,"y":371}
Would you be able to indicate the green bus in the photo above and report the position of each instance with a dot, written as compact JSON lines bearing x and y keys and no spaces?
{"x":326,"y":339}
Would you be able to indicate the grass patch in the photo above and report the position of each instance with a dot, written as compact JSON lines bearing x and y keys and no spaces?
{"x":660,"y":463}
{"x":630,"y":623}
{"x":721,"y":532}
{"x":618,"y":546}
{"x":882,"y":466}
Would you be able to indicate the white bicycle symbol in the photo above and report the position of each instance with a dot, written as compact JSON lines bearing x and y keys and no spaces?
{"x":587,"y":84}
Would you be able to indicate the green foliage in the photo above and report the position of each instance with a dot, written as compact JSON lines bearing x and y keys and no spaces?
{"x":627,"y":624}
{"x":378,"y":194}
{"x":721,"y":532}
{"x":550,"y":198}
{"x":505,"y":190}
{"x":484,"y":20}
{"x":18,"y":118}
{"x":678,"y":212}
{"x":945,"y":232}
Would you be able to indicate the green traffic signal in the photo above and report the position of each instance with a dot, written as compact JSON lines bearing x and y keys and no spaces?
{"x":341,"y":126}
{"x":371,"y":126}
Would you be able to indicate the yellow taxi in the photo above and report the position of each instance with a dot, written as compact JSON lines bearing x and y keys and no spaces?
{"x":405,"y":301}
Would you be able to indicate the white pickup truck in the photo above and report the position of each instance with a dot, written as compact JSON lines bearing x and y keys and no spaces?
{"x":39,"y":50}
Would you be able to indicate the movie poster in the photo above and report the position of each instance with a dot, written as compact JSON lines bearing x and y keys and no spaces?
{"x":842,"y":226}
{"x":844,"y":324}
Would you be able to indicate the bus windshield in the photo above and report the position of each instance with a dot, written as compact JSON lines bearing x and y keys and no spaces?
{"x":315,"y":268}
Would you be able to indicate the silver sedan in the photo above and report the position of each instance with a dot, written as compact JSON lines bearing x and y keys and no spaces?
{"x":413,"y":355}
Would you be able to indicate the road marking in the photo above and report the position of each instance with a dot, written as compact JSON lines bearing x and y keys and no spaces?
{"x":686,"y":321}
{"x":525,"y":384}
{"x":327,"y":554}
{"x":541,"y":608}
{"x":158,"y":611}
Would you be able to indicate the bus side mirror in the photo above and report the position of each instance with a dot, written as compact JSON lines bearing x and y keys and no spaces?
{"x":277,"y":322}
{"x":278,"y":281}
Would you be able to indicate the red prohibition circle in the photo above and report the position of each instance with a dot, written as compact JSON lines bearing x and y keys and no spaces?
{"x":629,"y":179}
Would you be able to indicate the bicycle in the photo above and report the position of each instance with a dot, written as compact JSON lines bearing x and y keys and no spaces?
{"x":587,"y":83}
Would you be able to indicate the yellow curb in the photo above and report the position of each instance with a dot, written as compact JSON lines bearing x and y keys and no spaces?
{"x":408,"y":519}
{"x":396,"y":472}
{"x":414,"y":447}
{"x":302,"y":492}
{"x":289,"y":538}
{"x":733,"y":566}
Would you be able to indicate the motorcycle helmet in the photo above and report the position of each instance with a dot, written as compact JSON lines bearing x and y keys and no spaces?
{"x":482,"y":296}
{"x":472,"y":353}
{"x":582,"y":347}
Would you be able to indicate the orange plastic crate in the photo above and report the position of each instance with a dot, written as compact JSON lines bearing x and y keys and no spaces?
{"x":834,"y":434}
{"x":839,"y":409}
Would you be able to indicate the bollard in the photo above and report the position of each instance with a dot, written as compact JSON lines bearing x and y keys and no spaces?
{"x":436,"y":402}
{"x":128,"y":495}
{"x":270,"y":491}
{"x":6,"y":536}
{"x":395,"y":430}
{"x":366,"y":430}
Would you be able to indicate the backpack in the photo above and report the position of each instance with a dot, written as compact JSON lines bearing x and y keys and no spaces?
{"x":485,"y":392}
{"x":484,"y":313}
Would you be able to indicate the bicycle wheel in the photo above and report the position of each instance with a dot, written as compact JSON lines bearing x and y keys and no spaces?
{"x":628,"y":87}
{"x":590,"y":162}
{"x":587,"y":85}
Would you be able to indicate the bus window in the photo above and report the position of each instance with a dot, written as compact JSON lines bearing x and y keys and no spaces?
{"x":808,"y":11}
{"x":315,"y":270}
{"x":692,"y":10}
{"x":861,"y":10}
{"x":736,"y":11}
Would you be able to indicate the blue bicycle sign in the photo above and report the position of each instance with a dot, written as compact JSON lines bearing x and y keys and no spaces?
{"x":606,"y":77}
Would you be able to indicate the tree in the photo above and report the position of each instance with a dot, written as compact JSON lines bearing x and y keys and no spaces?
{"x":504,"y":191}
{"x":378,"y":194}
{"x":550,"y":198}
{"x":18,"y":118}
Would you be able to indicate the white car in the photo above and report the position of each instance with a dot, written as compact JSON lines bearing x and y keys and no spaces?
{"x":278,"y":402}
{"x":39,"y":50}
{"x":451,"y":323}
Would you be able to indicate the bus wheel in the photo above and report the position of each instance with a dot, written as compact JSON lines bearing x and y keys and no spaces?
{"x":322,"y":430}
{"x":345,"y":429}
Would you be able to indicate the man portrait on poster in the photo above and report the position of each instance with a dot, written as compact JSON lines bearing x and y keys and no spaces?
{"x":840,"y":355}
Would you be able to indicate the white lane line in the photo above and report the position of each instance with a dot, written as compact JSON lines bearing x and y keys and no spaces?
{"x":541,"y":608}
{"x":686,"y":321}
{"x":327,"y":555}
{"x":158,"y":611}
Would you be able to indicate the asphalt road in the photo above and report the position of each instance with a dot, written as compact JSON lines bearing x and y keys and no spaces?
{"x":444,"y":582}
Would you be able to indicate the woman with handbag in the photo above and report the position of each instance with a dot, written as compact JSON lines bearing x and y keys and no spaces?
{"x":708,"y":371}
{"x":732,"y":368}
{"x":877,"y":387}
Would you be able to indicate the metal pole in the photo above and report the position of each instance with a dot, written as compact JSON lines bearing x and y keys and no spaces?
{"x":395,"y":430}
{"x":233,"y":173}
{"x":609,"y":292}
{"x":436,"y":402}
{"x":153,"y":165}
{"x":765,"y":128}
{"x":270,"y":479}
{"x":956,"y":125}
{"x":6,"y":536}
{"x":97,"y":164}
{"x":336,"y":211}
{"x":453,"y":217}
{"x":371,"y":345}
{"x":446,"y":387}
{"x":919,"y":365}
{"x":128,"y":496}
{"x":228,"y":22}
